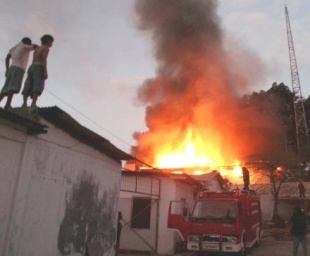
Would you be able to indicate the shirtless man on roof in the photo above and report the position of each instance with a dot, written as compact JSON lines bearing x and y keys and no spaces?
{"x":37,"y":72}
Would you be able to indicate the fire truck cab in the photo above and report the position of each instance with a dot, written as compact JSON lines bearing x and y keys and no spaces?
{"x":219,"y":222}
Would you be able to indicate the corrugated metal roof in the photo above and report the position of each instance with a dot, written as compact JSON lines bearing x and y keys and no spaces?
{"x":32,"y":125}
{"x":65,"y":122}
{"x":31,"y":120}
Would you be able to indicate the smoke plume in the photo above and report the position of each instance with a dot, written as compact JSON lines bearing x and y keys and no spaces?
{"x":197,"y":84}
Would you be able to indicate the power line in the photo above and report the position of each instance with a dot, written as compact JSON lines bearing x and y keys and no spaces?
{"x":115,"y":136}
{"x":136,"y":159}
{"x":95,"y":123}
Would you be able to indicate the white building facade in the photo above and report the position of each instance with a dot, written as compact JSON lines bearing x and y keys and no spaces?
{"x":144,"y":202}
{"x":59,"y":186}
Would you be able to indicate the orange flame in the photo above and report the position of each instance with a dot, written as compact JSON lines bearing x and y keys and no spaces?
{"x":192,"y":152}
{"x":196,"y":154}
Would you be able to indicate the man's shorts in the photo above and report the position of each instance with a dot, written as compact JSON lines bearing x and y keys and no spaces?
{"x":35,"y":80}
{"x":13,"y":81}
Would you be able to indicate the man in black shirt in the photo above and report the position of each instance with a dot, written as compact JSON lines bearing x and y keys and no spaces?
{"x":299,"y":230}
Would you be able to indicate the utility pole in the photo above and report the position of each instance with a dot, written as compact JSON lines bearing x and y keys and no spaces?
{"x":302,"y":136}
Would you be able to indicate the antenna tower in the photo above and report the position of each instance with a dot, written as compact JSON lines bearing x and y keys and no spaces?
{"x":302,"y":135}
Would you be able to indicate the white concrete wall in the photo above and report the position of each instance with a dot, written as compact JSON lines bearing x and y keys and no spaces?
{"x":186,"y":192}
{"x":137,"y":239}
{"x":168,"y":192}
{"x":266,"y":203}
{"x":12,"y":143}
{"x":285,"y":207}
{"x":56,"y":188}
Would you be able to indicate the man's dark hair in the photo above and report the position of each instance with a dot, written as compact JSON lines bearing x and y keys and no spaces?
{"x":46,"y":38}
{"x":26,"y":40}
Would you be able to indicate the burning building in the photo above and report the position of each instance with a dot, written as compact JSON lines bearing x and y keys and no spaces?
{"x":195,"y":113}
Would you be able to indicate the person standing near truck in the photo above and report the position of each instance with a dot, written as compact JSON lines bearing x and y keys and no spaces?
{"x":299,"y":231}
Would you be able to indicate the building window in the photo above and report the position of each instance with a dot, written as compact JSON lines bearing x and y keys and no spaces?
{"x":141,"y":213}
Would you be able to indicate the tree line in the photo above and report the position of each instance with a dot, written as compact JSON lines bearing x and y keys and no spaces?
{"x":288,"y":164}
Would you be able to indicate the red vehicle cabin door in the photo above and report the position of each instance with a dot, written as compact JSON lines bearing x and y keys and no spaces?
{"x":178,"y":217}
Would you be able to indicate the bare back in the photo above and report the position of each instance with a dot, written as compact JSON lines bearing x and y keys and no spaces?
{"x":40,"y":55}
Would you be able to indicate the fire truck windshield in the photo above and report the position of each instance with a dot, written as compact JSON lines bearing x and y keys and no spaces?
{"x":215,"y":211}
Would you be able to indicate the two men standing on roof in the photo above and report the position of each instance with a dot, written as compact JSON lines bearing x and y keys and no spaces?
{"x":37,"y":73}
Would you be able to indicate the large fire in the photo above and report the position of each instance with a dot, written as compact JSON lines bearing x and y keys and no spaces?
{"x":195,"y":115}
{"x":191,"y":152}
{"x":197,"y":158}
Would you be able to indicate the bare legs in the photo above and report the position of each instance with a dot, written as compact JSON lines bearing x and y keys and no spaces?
{"x":34,"y":100}
{"x":9,"y":99}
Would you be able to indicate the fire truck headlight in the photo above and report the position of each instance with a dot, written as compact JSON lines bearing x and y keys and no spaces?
{"x":193,"y":238}
{"x":231,"y":239}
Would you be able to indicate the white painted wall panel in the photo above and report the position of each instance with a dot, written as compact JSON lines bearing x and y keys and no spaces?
{"x":40,"y":226}
{"x":137,"y":239}
{"x":166,"y":238}
{"x":65,"y":189}
{"x":9,"y":171}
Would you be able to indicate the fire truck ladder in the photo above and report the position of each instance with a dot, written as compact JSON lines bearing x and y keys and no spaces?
{"x":299,"y":110}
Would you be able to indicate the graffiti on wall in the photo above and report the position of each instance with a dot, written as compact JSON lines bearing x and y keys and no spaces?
{"x":88,"y":218}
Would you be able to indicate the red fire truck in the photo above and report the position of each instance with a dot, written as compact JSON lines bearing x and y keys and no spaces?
{"x":219,"y":222}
